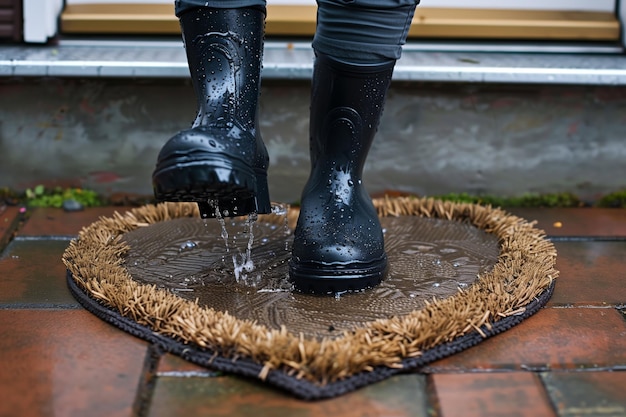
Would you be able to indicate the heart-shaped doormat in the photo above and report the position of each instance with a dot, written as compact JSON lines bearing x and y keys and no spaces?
{"x":219,"y":296}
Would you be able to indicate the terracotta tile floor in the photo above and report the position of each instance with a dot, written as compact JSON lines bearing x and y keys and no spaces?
{"x":568,"y":360}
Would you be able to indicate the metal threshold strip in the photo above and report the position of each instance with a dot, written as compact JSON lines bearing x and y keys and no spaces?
{"x":427,"y":62}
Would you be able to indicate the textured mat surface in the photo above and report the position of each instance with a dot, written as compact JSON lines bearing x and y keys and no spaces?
{"x":459,"y":273}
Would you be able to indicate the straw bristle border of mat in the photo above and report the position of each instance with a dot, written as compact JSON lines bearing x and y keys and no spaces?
{"x":525,"y":269}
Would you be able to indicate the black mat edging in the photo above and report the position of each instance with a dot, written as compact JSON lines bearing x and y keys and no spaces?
{"x":586,"y":238}
{"x":300,"y":388}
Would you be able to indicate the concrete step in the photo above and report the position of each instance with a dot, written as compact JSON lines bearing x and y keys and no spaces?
{"x":483,"y":119}
{"x":426,"y":62}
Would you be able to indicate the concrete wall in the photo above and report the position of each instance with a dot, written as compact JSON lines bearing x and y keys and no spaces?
{"x":433,"y":139}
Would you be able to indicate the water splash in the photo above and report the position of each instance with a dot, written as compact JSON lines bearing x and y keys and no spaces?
{"x":242,"y":262}
{"x":244,"y":265}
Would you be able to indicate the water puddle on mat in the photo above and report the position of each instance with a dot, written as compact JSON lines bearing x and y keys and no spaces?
{"x":192,"y":258}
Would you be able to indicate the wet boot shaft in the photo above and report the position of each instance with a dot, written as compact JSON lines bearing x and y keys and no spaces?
{"x":346,"y":110}
{"x":223,"y":49}
{"x":221,"y":161}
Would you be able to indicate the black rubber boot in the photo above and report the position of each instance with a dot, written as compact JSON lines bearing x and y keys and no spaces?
{"x":221,"y":161}
{"x":338,"y":243}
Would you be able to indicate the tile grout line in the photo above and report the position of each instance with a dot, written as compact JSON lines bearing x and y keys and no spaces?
{"x":433,"y":407}
{"x":147,"y":382}
{"x":553,"y":404}
{"x":621,"y":310}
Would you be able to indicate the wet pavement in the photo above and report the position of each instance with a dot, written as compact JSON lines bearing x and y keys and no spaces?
{"x":567,"y":360}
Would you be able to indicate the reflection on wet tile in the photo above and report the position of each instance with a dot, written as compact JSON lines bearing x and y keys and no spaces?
{"x":587,"y":393}
{"x":232,"y":397}
{"x":56,"y":222}
{"x":491,"y":394}
{"x":577,"y":221}
{"x":32,"y":274}
{"x":554,"y":338}
{"x":591,"y":273}
{"x":66,"y":363}
{"x":174,"y":365}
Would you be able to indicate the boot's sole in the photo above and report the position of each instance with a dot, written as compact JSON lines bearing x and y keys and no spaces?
{"x":214,"y":182}
{"x":321,"y":279}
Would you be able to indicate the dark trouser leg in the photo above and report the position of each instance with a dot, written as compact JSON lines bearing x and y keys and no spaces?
{"x":363,"y":31}
{"x":338,"y":243}
{"x":182,"y":6}
{"x":221,"y":161}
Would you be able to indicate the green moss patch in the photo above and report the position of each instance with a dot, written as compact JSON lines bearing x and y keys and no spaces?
{"x":40,"y":196}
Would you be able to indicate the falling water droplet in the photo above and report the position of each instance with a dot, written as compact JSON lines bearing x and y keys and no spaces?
{"x":279,"y":209}
{"x":242,"y":262}
{"x":220,"y":219}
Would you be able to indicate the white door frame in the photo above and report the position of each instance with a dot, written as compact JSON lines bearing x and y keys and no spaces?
{"x":40,"y":19}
